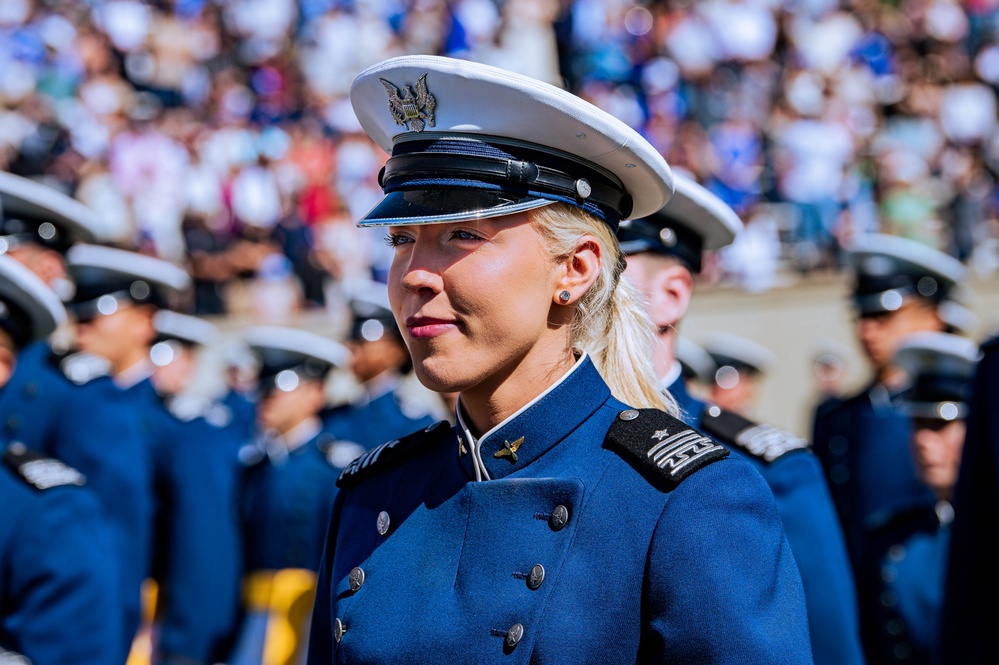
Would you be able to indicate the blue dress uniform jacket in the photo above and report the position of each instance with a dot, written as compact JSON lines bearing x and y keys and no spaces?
{"x":863,"y":444}
{"x":59,"y":601}
{"x":574,"y":552}
{"x":196,"y":539}
{"x":902,"y":586}
{"x":972,"y":579}
{"x":88,"y":426}
{"x":286,"y":508}
{"x":806,"y":509}
{"x":373,"y":423}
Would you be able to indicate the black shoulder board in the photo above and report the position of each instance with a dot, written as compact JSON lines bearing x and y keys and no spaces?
{"x":38,"y":471}
{"x":662,"y":445}
{"x":392,"y":453}
{"x":764,"y":442}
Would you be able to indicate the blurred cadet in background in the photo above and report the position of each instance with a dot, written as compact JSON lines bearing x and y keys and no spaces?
{"x":195,"y":540}
{"x":972,"y":578}
{"x":59,"y":596}
{"x":391,"y":404}
{"x":54,"y":390}
{"x":903,"y":565}
{"x":696,"y":366}
{"x":863,"y":439}
{"x":956,"y":313}
{"x":289,"y":487}
{"x":240,"y":368}
{"x":741,"y":364}
{"x":663,"y":253}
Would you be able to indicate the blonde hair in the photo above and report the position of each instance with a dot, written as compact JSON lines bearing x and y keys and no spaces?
{"x":610,"y":322}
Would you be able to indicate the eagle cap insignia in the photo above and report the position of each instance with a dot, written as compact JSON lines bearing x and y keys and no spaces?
{"x":413,"y":109}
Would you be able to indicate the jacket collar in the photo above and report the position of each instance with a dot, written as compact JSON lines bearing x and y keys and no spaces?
{"x":536,"y":427}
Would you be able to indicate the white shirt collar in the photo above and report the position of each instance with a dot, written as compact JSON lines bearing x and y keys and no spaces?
{"x":672,"y":375}
{"x":473,"y":443}
{"x":135,"y":374}
{"x":279,"y":446}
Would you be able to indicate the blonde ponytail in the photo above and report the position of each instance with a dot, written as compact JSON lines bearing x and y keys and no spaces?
{"x":610,"y":322}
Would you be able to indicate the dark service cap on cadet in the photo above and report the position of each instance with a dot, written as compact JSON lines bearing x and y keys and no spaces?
{"x":941,"y":369}
{"x":733,"y":352}
{"x":106,"y":276}
{"x":288,"y":356}
{"x":371,"y":312}
{"x":29,"y":310}
{"x":889,"y":269}
{"x":37,"y":213}
{"x":458,"y":152}
{"x":694,"y":220}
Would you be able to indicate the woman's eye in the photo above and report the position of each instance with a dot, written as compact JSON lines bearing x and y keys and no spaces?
{"x":395,"y":239}
{"x":459,"y":234}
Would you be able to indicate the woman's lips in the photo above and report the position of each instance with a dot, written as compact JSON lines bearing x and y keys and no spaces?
{"x":422,"y":326}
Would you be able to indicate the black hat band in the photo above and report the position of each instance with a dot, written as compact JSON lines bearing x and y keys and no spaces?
{"x":459,"y":163}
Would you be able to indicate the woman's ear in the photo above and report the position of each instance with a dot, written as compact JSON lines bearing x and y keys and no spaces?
{"x":578,"y":271}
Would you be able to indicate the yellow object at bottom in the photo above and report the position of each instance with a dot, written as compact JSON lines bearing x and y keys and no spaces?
{"x":285,"y":597}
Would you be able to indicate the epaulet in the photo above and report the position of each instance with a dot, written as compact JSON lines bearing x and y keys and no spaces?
{"x":339,"y":453}
{"x":38,"y":471}
{"x":764,"y":442}
{"x":662,"y":445}
{"x":80,"y":367}
{"x":392,"y":453}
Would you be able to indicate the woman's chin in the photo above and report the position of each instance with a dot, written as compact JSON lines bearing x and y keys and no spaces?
{"x":443,"y":376}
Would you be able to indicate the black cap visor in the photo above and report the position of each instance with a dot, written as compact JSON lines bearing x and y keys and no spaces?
{"x":442,"y":205}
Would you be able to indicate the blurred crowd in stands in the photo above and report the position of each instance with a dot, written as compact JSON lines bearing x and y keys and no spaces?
{"x":217,"y":134}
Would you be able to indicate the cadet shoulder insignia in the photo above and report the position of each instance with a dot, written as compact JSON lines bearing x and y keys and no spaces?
{"x":392,"y":453}
{"x":38,"y":471}
{"x":662,"y":445}
{"x":764,"y":442}
{"x":339,"y":453}
{"x":81,"y":368}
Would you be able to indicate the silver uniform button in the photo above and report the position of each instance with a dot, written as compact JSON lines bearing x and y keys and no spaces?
{"x":338,"y":630}
{"x":559,"y":518}
{"x":628,"y":414}
{"x":514,"y":635}
{"x":383,"y":523}
{"x":356,"y":578}
{"x":536,"y":577}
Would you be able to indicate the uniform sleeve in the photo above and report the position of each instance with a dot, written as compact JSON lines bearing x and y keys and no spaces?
{"x":321,"y":632}
{"x":63,"y":584}
{"x":722,"y":585}
{"x":816,"y":540}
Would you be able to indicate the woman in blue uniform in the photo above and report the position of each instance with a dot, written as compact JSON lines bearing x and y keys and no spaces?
{"x":902,"y":571}
{"x":566,"y":517}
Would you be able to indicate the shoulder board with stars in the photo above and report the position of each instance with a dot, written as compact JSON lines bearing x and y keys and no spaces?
{"x":38,"y":471}
{"x":661,"y":445}
{"x":80,"y":367}
{"x":392,"y":453}
{"x":764,"y":442}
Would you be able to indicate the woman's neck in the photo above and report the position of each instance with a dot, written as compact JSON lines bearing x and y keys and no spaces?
{"x":492,"y":401}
